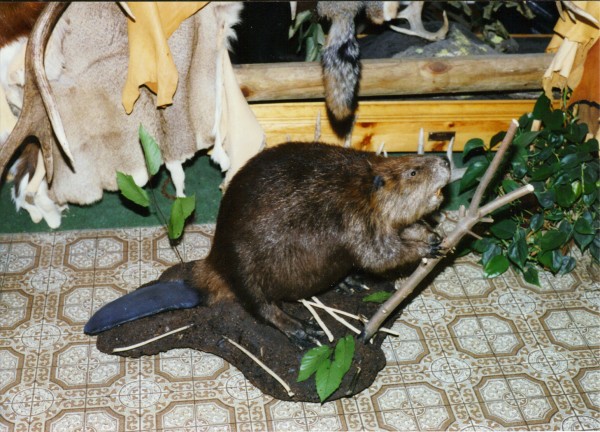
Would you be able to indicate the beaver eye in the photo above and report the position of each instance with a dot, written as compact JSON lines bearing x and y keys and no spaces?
{"x":413,"y":173}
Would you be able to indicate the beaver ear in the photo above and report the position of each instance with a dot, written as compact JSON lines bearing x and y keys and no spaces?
{"x":378,"y":182}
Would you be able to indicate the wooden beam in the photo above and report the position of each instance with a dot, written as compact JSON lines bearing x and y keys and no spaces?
{"x":406,"y":76}
{"x":397,"y":124}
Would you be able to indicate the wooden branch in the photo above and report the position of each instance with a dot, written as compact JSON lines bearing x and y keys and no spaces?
{"x":491,"y":171}
{"x":262,"y":365}
{"x":318,"y":319}
{"x":405,"y":76}
{"x":335,"y":316}
{"x":464,"y":225}
{"x":154,"y":339}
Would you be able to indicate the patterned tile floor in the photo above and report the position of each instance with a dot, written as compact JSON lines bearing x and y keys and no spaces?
{"x":474,"y":354}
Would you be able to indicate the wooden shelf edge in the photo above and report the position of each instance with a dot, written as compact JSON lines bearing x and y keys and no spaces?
{"x":395,"y":123}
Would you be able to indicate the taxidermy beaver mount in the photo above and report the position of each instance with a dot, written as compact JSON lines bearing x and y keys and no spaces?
{"x":294,"y":222}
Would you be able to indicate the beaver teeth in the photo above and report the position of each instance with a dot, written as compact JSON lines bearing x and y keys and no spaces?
{"x":438,"y":193}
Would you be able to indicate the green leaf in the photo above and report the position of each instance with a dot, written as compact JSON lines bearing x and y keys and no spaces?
{"x":554,"y":120}
{"x":555,"y":215}
{"x":588,"y":186}
{"x":525,"y":121}
{"x":566,"y":227}
{"x":497,"y":139}
{"x":472,"y":144}
{"x":565,"y":197}
{"x":583,"y":240}
{"x":483,"y":244}
{"x":571,"y":160}
{"x":556,"y":140}
{"x":517,"y":250}
{"x":377,"y":297}
{"x":301,"y":17}
{"x":344,"y":353}
{"x":536,"y":222}
{"x":584,"y":230}
{"x":509,"y":185}
{"x":551,"y":260}
{"x":312,"y":360}
{"x":327,"y":380}
{"x":472,"y":174}
{"x":590,"y":146}
{"x":544,"y":154}
{"x":552,"y":240}
{"x":583,"y":226}
{"x":519,"y":167}
{"x":542,"y":107}
{"x":567,"y":265}
{"x":576,"y":132}
{"x":492,"y":251}
{"x":151,"y":151}
{"x":525,"y":138}
{"x":504,"y":229}
{"x":546,"y":198}
{"x":182,"y":208}
{"x":496,"y":266}
{"x":590,"y":199}
{"x":543,"y":172}
{"x":132,"y":191}
{"x":330,"y":374}
{"x":530,"y":274}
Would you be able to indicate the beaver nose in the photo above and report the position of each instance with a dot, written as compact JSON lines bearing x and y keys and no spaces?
{"x":445,"y":161}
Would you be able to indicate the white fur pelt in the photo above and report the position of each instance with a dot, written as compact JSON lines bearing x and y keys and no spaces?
{"x":87,"y":89}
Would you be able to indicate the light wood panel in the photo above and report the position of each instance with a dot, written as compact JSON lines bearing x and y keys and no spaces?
{"x":395,"y":123}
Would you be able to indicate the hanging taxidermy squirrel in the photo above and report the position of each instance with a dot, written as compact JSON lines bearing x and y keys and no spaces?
{"x":340,"y":57}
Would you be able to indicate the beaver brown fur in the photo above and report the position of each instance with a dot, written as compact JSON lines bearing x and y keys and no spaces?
{"x":297,"y":218}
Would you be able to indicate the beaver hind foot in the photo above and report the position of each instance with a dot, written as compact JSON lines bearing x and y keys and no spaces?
{"x":301,"y":333}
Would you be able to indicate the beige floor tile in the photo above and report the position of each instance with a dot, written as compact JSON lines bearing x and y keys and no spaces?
{"x":473,"y":354}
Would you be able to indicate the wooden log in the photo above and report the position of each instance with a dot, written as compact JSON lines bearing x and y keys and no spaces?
{"x":397,"y":123}
{"x":407,"y":76}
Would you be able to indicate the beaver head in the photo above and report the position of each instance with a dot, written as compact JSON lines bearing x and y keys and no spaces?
{"x":406,"y":188}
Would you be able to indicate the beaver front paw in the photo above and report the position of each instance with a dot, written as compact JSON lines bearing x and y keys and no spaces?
{"x":421,"y":241}
{"x":435,"y":246}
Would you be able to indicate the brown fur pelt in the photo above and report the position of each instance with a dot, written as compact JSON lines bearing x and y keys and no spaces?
{"x":17,"y":19}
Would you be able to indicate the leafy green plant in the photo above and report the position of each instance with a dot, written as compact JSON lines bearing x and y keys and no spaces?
{"x":564,"y":169}
{"x":182,"y":207}
{"x":309,"y":33}
{"x":328,"y":373}
{"x":483,"y":17}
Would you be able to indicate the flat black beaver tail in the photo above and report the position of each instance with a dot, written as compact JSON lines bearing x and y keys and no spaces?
{"x":150,"y":299}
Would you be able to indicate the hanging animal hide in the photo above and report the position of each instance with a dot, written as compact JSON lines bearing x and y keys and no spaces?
{"x":207,"y":108}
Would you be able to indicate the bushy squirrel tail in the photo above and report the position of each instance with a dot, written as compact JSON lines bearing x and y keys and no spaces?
{"x":340,"y":60}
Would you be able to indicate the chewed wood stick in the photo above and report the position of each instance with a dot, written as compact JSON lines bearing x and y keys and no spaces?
{"x":337,"y":318}
{"x":318,"y":319}
{"x":154,"y":339}
{"x":349,"y":315}
{"x":268,"y":370}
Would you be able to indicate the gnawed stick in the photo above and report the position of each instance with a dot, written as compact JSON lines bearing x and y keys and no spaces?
{"x":262,"y":365}
{"x":154,"y":339}
{"x":337,"y":318}
{"x":360,"y":318}
{"x":466,"y":222}
{"x":318,"y":319}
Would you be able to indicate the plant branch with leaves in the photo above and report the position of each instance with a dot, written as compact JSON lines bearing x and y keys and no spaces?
{"x":182,"y":208}
{"x":467,"y":219}
{"x":552,"y":153}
